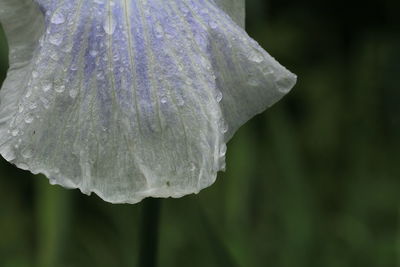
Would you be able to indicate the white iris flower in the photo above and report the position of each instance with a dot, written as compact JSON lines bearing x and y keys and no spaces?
{"x":130,"y":98}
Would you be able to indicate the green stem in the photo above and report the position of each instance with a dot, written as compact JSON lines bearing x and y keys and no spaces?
{"x":53,"y":210}
{"x":149,"y":233}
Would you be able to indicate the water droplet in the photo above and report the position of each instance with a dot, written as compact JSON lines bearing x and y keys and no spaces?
{"x":47,"y":86}
{"x":223,"y":126}
{"x":109,"y":25}
{"x":54,"y":55}
{"x":52,"y":181}
{"x":222,"y":150}
{"x":59,"y":88}
{"x":45,"y":102}
{"x":253,"y":81}
{"x":28,"y":93}
{"x":93,"y":53}
{"x":213,"y":24}
{"x":27,"y":152}
{"x":32,"y":105}
{"x":164,"y":99}
{"x":180,"y":101}
{"x":28,"y":118}
{"x":100,"y":76}
{"x":285,"y":84}
{"x":223,"y":166}
{"x":56,"y":39}
{"x":23,"y":166}
{"x":73,"y":93}
{"x":159,"y":31}
{"x":205,"y":62}
{"x":218,"y":96}
{"x":192,"y":167}
{"x":15,"y":132}
{"x":256,"y":56}
{"x":57,"y":18}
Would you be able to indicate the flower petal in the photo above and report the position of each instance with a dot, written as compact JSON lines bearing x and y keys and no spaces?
{"x":23,"y":24}
{"x":234,"y":8}
{"x":130,"y":99}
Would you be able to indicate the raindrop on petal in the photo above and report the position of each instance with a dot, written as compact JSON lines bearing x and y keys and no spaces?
{"x":73,"y":93}
{"x":47,"y":86}
{"x":93,"y":53}
{"x":159,"y":31}
{"x":256,"y":56}
{"x":57,"y":18}
{"x":28,"y":118}
{"x":109,"y":25}
{"x":222,"y":150}
{"x":218,"y":96}
{"x":163,"y":99}
{"x":27,"y":152}
{"x":56,"y":39}
{"x":15,"y":132}
{"x":60,"y":88}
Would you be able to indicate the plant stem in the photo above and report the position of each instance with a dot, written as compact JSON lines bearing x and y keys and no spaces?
{"x":149,"y":233}
{"x":53,"y":210}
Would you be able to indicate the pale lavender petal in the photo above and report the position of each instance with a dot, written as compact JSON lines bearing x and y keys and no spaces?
{"x":130,"y":99}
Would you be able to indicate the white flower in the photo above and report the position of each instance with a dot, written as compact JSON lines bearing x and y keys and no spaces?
{"x":130,"y":98}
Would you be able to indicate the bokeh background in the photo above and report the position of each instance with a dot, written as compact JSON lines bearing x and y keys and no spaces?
{"x":312,"y":182}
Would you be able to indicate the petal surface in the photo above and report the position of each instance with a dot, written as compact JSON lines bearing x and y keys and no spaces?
{"x":234,"y":8}
{"x":130,"y":99}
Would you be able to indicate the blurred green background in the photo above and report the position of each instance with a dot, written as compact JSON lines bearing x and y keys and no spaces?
{"x":312,"y":182}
